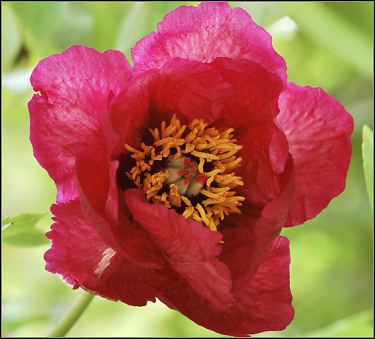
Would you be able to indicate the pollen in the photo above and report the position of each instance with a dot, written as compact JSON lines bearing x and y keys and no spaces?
{"x":190,"y":168}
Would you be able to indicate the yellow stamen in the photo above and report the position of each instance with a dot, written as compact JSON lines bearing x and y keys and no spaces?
{"x":174,"y":196}
{"x":188,"y":212}
{"x":186,"y":201}
{"x":198,"y":163}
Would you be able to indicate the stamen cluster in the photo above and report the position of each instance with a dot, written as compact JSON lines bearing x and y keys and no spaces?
{"x":190,"y":168}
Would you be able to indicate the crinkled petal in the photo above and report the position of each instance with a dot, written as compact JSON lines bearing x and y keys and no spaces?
{"x":318,"y":130}
{"x":206,"y":32}
{"x":105,"y":209}
{"x":263,"y":303}
{"x":73,"y":89}
{"x":81,"y":258}
{"x":189,"y":248}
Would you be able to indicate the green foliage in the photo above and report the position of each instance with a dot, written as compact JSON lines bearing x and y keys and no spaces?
{"x":11,"y":40}
{"x":21,"y":231}
{"x":345,"y":40}
{"x":357,"y":325}
{"x":368,"y":161}
{"x":38,"y":21}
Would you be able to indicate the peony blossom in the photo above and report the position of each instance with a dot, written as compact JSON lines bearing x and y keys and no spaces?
{"x":176,"y":175}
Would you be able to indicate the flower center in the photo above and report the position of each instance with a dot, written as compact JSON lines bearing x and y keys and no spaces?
{"x":184,"y":173}
{"x":190,"y":168}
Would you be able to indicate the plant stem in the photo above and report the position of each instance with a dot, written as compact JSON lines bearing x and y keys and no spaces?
{"x":72,"y":314}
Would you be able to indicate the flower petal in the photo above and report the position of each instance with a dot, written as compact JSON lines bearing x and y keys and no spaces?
{"x":193,"y":89}
{"x":251,"y":112}
{"x":263,"y":303}
{"x":105,"y":209}
{"x":206,"y":32}
{"x":187,"y":88}
{"x":73,"y":87}
{"x":189,"y":248}
{"x":318,"y":130}
{"x":249,"y":236}
{"x":81,"y":258}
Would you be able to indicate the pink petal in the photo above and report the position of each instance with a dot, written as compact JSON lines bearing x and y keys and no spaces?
{"x":249,"y":236}
{"x":189,"y":248}
{"x":106,"y":210}
{"x":318,"y":130}
{"x":81,"y":258}
{"x":251,"y":112}
{"x":190,"y":88}
{"x":187,"y":88}
{"x":206,"y":32}
{"x":263,"y":303}
{"x":73,"y":87}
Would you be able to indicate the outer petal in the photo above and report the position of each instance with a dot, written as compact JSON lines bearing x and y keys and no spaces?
{"x":81,"y":258}
{"x":318,"y":130}
{"x":263,"y":303}
{"x":73,"y":90}
{"x":206,"y":32}
{"x":189,"y":248}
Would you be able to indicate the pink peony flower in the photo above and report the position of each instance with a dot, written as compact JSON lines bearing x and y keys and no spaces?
{"x":175,"y":176}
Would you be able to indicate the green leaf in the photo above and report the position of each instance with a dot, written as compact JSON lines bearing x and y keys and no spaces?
{"x":33,"y":237}
{"x":20,"y":230}
{"x":21,"y":223}
{"x":368,"y":161}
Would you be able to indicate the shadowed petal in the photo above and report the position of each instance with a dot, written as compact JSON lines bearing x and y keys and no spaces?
{"x":188,"y":88}
{"x":249,"y":236}
{"x":189,"y":248}
{"x":103,"y":209}
{"x":251,"y":112}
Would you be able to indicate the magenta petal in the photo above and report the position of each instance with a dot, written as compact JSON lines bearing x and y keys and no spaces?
{"x":189,"y":248}
{"x":188,"y":88}
{"x":101,"y":206}
{"x":263,"y":303}
{"x":318,"y":130}
{"x":81,"y":258}
{"x":206,"y":32}
{"x":193,"y":89}
{"x":251,"y":112}
{"x":249,"y":236}
{"x":73,"y":87}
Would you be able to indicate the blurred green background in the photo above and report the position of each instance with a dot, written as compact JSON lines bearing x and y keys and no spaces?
{"x":329,"y":45}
